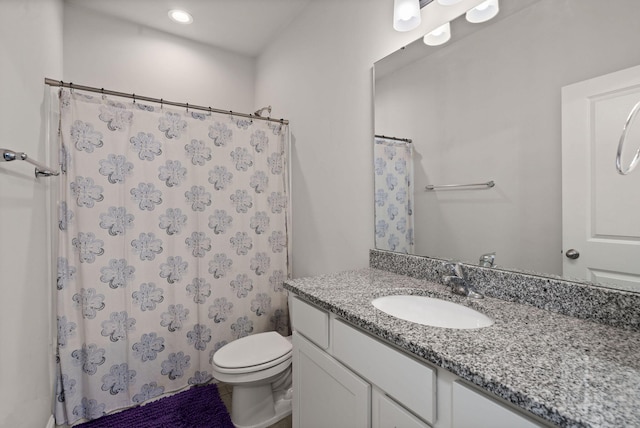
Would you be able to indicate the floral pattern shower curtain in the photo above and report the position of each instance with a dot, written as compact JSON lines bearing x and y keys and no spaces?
{"x":393,"y":195}
{"x":173,"y":242}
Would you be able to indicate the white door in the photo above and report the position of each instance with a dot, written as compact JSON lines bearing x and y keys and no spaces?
{"x":600,"y":208}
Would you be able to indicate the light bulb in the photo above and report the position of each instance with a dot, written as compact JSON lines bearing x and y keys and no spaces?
{"x":180,"y":16}
{"x":438,"y":36}
{"x":406,"y":14}
{"x":483,"y":12}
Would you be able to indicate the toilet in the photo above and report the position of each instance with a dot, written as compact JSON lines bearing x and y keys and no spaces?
{"x":258,"y":367}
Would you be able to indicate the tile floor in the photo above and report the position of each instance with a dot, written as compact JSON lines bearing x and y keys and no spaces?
{"x":225,"y":394}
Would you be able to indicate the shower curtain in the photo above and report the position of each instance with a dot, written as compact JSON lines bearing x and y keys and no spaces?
{"x":393,"y":195}
{"x":172,"y":243}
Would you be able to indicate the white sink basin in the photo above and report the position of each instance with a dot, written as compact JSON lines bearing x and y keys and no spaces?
{"x":433,"y":312}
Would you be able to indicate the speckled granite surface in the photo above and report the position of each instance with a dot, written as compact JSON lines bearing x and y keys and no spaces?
{"x":580,"y":300}
{"x":569,"y":371}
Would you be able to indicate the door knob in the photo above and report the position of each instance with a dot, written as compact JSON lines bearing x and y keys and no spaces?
{"x":572,"y":254}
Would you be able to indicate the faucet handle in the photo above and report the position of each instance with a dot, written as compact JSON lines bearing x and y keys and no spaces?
{"x":487,"y":260}
{"x":451,"y":267}
{"x":456,"y":269}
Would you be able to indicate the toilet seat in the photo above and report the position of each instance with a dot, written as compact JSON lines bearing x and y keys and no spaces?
{"x":256,"y":368}
{"x":253,"y":353}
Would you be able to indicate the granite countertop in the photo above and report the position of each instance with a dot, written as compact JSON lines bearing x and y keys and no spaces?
{"x":570,"y":372}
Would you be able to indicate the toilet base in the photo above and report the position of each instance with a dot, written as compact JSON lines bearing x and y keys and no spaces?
{"x":269,"y":408}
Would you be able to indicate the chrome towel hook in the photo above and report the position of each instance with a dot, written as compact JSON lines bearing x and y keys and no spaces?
{"x":625,"y":129}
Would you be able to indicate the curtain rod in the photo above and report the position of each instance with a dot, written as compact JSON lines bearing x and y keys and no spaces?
{"x":406,"y":140}
{"x":70,"y":85}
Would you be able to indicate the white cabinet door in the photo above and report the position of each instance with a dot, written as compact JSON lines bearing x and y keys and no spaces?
{"x":474,"y":410}
{"x":325,"y":393}
{"x":388,"y":414}
{"x":406,"y":380}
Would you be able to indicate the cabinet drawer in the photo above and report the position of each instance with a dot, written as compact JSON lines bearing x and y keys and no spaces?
{"x":387,"y":414}
{"x":311,"y":322}
{"x":406,"y":380}
{"x":472,"y":409}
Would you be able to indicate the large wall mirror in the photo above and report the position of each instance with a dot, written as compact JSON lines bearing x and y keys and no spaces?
{"x":531,"y":101}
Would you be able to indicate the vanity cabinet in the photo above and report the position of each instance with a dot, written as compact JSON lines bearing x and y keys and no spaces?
{"x":385,"y":413}
{"x":326,"y":394}
{"x":473,"y":409}
{"x":346,"y":378}
{"x":409,"y":382}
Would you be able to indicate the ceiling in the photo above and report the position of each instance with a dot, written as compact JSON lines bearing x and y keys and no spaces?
{"x":241,"y":26}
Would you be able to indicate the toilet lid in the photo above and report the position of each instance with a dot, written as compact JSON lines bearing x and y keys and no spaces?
{"x":252,"y":350}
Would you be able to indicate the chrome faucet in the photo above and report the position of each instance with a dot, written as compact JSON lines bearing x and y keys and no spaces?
{"x":487,"y":260}
{"x":458,"y":282}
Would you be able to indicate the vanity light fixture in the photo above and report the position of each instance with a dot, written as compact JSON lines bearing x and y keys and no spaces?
{"x":180,"y":16}
{"x":483,"y":12}
{"x":406,"y":14}
{"x":439,"y":36}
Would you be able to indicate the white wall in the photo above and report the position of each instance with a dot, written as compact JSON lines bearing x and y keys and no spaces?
{"x":30,"y":49}
{"x":113,"y":54}
{"x":318,"y":74}
{"x":487,"y":107}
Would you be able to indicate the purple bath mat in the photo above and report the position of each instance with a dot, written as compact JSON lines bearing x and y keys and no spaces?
{"x":198,"y":407}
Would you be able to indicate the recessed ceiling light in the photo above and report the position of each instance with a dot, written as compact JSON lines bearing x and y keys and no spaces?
{"x":180,"y":16}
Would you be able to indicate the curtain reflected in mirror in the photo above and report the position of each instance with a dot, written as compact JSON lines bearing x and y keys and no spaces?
{"x":393,"y":194}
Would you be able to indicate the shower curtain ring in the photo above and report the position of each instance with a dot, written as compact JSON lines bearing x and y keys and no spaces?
{"x":161,"y":104}
{"x":71,"y":87}
{"x":187,"y":107}
{"x":134,"y":98}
